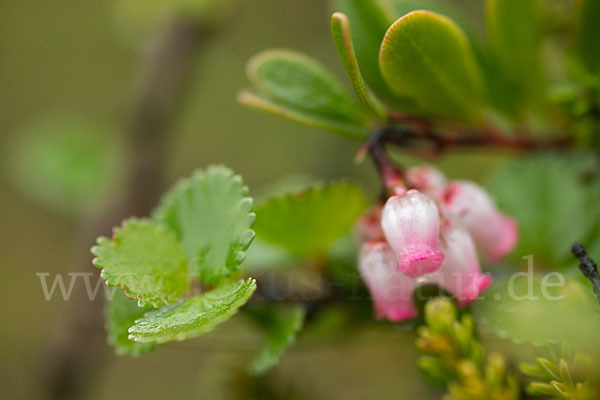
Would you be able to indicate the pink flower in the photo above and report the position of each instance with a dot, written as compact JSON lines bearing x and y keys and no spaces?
{"x":390,"y":289}
{"x":428,"y":180}
{"x":411,"y":223}
{"x":460,"y":274}
{"x":468,"y":203}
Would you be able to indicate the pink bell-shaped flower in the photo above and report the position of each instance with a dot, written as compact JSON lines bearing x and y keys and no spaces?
{"x":428,"y":180}
{"x":495,"y":233}
{"x":391,"y":290}
{"x":411,"y":223}
{"x":460,"y":273}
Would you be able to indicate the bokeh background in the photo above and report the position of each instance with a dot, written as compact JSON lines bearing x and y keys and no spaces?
{"x":69,"y":58}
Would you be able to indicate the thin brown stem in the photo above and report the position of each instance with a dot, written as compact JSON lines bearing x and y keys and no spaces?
{"x":77,"y":355}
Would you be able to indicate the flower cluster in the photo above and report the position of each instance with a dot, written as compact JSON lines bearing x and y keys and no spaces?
{"x":428,"y":235}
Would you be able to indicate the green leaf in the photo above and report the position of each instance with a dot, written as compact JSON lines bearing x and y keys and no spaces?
{"x":194,"y":316}
{"x":267,"y":257}
{"x":369,"y":20}
{"x":588,"y":33}
{"x":514,"y":35}
{"x":307,"y":223}
{"x":527,"y":308}
{"x":210,"y":212}
{"x":342,"y":37}
{"x":145,"y":260}
{"x":120,"y":313}
{"x":553,"y":203}
{"x":443,"y":7}
{"x":287,"y":184}
{"x":66,"y":163}
{"x":295,"y":82}
{"x":281,"y":325}
{"x":263,"y":104}
{"x":426,"y":57}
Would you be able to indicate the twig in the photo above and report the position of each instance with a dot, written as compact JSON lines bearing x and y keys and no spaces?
{"x":423,"y":135}
{"x":587,"y":266}
{"x":76,"y":356}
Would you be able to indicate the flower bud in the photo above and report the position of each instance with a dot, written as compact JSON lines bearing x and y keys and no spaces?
{"x":411,"y":224}
{"x":390,"y":290}
{"x":428,"y":180}
{"x":472,"y":206}
{"x":440,"y":314}
{"x":368,"y":226}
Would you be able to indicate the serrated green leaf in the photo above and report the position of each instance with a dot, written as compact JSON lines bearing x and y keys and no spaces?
{"x":120,"y":314}
{"x":194,"y":316}
{"x":307,"y":223}
{"x":514,"y":36}
{"x":145,"y":260}
{"x":281,"y":325}
{"x":426,"y":57}
{"x":210,"y":212}
{"x":552,"y":202}
{"x":342,"y":37}
{"x":588,"y":33}
{"x":66,"y":163}
{"x":298,"y":83}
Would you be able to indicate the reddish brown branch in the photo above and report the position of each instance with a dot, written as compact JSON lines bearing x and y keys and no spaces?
{"x":418,"y":135}
{"x":409,"y":136}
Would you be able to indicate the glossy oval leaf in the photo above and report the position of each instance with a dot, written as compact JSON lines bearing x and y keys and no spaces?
{"x":308,"y":222}
{"x":299,"y":83}
{"x":342,"y":38}
{"x":211,"y":215}
{"x":262,"y":103}
{"x":145,"y":260}
{"x":468,"y":23}
{"x":194,"y":316}
{"x":369,"y":20}
{"x":514,"y":38}
{"x":426,"y":57}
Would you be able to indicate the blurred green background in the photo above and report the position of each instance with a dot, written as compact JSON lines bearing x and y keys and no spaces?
{"x":67,"y":57}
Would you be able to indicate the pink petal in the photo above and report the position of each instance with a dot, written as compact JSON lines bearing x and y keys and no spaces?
{"x":411,"y":224}
{"x":390,"y":290}
{"x":428,"y":180}
{"x":495,"y":233}
{"x":461,"y":274}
